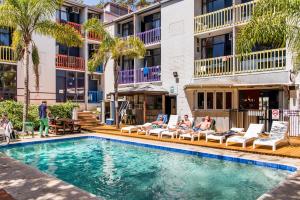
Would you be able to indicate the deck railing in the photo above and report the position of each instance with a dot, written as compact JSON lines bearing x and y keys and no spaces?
{"x":149,"y":74}
{"x":224,"y":17}
{"x":126,"y":76}
{"x":269,"y":60}
{"x":70,"y":62}
{"x":151,"y":36}
{"x":7,"y":54}
{"x":76,"y":26}
{"x":94,"y":36}
{"x":95,"y":96}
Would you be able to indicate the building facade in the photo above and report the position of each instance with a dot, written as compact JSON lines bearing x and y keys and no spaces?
{"x":63,"y":71}
{"x":192,"y":65}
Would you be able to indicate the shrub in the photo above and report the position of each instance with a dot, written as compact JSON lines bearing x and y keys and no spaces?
{"x":14,"y":111}
{"x":63,"y":110}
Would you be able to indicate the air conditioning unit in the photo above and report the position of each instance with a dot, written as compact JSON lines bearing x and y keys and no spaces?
{"x":95,"y":77}
{"x":148,"y":53}
{"x":75,"y":10}
{"x":230,"y":36}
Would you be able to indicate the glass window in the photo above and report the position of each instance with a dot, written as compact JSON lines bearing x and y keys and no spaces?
{"x":5,"y":37}
{"x":151,"y":22}
{"x":8,"y":82}
{"x":228,"y":100}
{"x":216,"y":46}
{"x":153,"y":58}
{"x":200,"y":100}
{"x":210,"y":100}
{"x":128,"y":63}
{"x":214,"y":5}
{"x":127,"y":29}
{"x":219,"y":100}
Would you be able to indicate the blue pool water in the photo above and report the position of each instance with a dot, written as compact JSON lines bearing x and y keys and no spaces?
{"x":115,"y":170}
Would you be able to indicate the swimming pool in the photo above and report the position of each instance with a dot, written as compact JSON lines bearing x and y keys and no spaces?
{"x":117,"y":170}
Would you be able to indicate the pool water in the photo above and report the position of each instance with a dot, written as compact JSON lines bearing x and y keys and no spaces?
{"x":113,"y":170}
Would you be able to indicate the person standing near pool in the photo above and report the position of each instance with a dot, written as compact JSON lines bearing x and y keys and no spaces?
{"x":43,"y":114}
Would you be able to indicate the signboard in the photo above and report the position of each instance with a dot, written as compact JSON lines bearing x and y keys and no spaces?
{"x":275,"y":114}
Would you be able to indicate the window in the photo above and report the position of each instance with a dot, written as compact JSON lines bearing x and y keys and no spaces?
{"x":153,"y":58}
{"x":228,"y":100}
{"x":151,"y":22}
{"x":5,"y":37}
{"x":214,"y":5}
{"x":8,"y":82}
{"x":127,"y":29}
{"x":69,"y":51}
{"x":69,"y":86}
{"x":127,"y":63}
{"x":210,"y":100}
{"x":216,"y":46}
{"x":201,"y":100}
{"x":219,"y":100}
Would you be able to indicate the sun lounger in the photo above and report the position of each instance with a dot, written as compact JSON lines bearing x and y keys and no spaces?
{"x":173,"y":133}
{"x":129,"y":129}
{"x":222,"y":136}
{"x":277,"y":135}
{"x":252,"y":133}
{"x":171,"y":125}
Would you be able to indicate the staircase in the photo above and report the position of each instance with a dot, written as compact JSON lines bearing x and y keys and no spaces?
{"x":87,"y":119}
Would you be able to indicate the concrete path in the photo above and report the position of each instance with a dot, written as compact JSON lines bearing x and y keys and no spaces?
{"x":26,"y":183}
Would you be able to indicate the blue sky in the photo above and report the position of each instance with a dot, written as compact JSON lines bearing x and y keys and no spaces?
{"x":91,"y":2}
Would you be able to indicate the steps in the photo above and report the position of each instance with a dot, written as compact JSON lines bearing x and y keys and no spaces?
{"x":87,"y":119}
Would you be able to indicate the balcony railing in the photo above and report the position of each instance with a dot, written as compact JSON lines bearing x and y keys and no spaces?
{"x":95,"y":96}
{"x":76,"y":26}
{"x":269,"y":60}
{"x":7,"y":54}
{"x":142,"y":75}
{"x":94,"y":36}
{"x":224,"y":17}
{"x":151,"y":36}
{"x":70,"y":62}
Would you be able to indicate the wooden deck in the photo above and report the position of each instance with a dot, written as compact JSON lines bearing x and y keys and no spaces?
{"x":284,"y":150}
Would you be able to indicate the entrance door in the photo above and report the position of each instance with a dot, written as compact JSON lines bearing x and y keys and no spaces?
{"x":170,"y":105}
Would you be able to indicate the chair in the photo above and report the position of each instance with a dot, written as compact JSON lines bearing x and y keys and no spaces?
{"x":250,"y":135}
{"x":171,"y":125}
{"x":221,"y":137}
{"x":197,"y":134}
{"x":173,"y":132}
{"x":277,"y":135}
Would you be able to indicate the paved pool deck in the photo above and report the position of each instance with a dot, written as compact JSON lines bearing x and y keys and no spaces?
{"x":25,"y":182}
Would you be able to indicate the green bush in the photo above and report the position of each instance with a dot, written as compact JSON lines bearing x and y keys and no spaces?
{"x":14,"y":111}
{"x":63,"y":110}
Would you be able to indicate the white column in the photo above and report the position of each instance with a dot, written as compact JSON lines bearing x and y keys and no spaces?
{"x":86,"y":57}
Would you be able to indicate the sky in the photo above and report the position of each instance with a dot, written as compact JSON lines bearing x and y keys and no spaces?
{"x":91,"y":2}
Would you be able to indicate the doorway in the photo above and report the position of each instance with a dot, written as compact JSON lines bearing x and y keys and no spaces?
{"x":170,"y":105}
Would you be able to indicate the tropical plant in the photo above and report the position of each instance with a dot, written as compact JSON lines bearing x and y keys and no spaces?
{"x":274,"y":22}
{"x":115,"y":49}
{"x":63,"y":110}
{"x":29,"y":17}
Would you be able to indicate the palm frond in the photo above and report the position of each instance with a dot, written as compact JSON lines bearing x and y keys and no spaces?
{"x":18,"y":44}
{"x":63,"y":34}
{"x":36,"y":62}
{"x":8,"y":16}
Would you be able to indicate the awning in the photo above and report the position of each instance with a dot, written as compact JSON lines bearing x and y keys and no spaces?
{"x":143,"y":89}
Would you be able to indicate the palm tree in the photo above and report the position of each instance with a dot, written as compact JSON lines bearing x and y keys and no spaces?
{"x":273,"y":22}
{"x":29,"y":17}
{"x":115,"y":49}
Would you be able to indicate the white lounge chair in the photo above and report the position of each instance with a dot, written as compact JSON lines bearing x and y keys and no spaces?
{"x":171,"y":125}
{"x":192,"y":135}
{"x":129,"y":129}
{"x":277,"y":135}
{"x":221,"y":138}
{"x":250,"y":135}
{"x":173,"y":133}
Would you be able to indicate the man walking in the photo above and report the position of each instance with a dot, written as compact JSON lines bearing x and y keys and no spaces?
{"x":43,"y":111}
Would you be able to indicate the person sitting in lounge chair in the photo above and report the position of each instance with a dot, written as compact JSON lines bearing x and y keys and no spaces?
{"x":158,"y":123}
{"x":203,"y":125}
{"x":185,"y":123}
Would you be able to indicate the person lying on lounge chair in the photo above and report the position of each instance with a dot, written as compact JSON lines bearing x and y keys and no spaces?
{"x":204,"y":125}
{"x":184,"y":125}
{"x":158,"y":123}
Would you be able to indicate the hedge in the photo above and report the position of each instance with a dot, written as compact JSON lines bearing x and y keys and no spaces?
{"x":14,"y":111}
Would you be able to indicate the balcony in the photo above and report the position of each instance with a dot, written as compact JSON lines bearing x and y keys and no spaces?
{"x":94,"y":36}
{"x":70,"y":62}
{"x":150,"y":37}
{"x":142,"y":75}
{"x":269,"y":60}
{"x":76,"y":26}
{"x":7,"y":54}
{"x":95,"y":96}
{"x":224,"y":17}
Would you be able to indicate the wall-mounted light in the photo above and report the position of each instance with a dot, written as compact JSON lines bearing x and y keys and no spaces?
{"x":175,"y":74}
